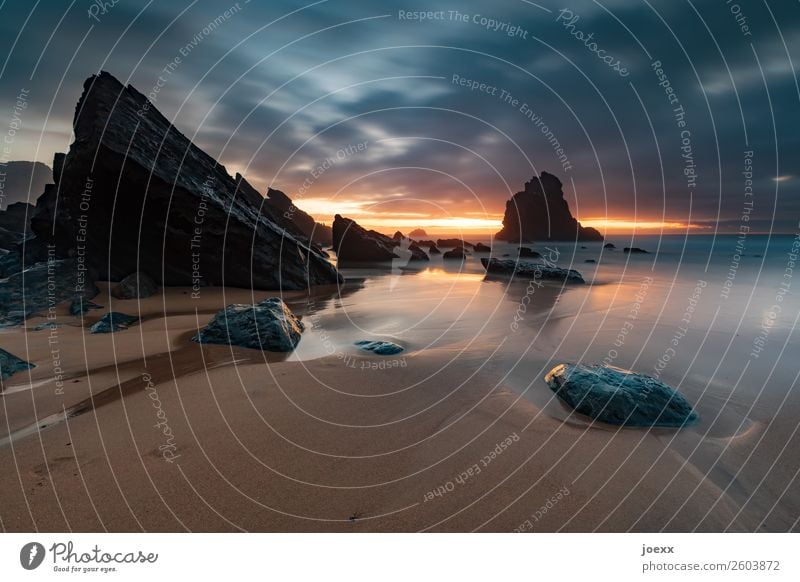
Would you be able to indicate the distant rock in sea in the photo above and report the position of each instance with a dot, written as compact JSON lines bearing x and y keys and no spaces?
{"x":381,"y":348}
{"x":620,"y":397}
{"x":417,"y":232}
{"x":399,"y":236}
{"x":482,"y":248}
{"x":23,"y":182}
{"x":456,"y":253}
{"x":635,"y":251}
{"x":527,"y":253}
{"x":434,"y":250}
{"x":135,"y":286}
{"x":11,"y":364}
{"x":141,"y":196}
{"x":354,"y":244}
{"x":452,"y":243}
{"x":531,"y":270}
{"x":298,"y":223}
{"x":609,"y":246}
{"x":417,"y":254}
{"x":589,"y":261}
{"x":113,"y":322}
{"x":540,"y":212}
{"x":269,"y":325}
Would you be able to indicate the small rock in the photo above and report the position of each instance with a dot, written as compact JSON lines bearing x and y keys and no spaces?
{"x":589,"y":261}
{"x":380,"y":348}
{"x":79,"y":306}
{"x":635,"y":251}
{"x":528,"y":253}
{"x":482,"y":248}
{"x":433,"y":250}
{"x":11,"y":364}
{"x":532,"y":270}
{"x":620,"y":397}
{"x":456,"y":253}
{"x":46,"y":325}
{"x":269,"y":325}
{"x":417,"y":254}
{"x":135,"y":286}
{"x":113,"y":321}
{"x":609,"y":246}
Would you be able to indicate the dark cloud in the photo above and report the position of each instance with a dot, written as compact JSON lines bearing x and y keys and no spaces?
{"x":274,"y":94}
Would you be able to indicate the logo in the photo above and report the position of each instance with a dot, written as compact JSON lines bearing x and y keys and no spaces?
{"x":31,"y":555}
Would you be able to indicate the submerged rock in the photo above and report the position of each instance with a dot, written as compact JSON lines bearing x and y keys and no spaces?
{"x":135,"y":286}
{"x":113,"y":321}
{"x":354,"y":244}
{"x":11,"y":364}
{"x":79,"y":306}
{"x":160,"y":204}
{"x":482,"y":248}
{"x":540,"y":212}
{"x":620,"y":397}
{"x":635,"y":251}
{"x":609,"y":246}
{"x":527,"y":253}
{"x":381,"y":348}
{"x":532,"y":270}
{"x":456,"y":253}
{"x":589,"y":261}
{"x":453,"y":242}
{"x":269,"y":325}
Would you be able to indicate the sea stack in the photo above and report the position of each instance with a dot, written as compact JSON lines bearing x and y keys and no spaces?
{"x":355,"y":244}
{"x":540,"y":213}
{"x":136,"y":195}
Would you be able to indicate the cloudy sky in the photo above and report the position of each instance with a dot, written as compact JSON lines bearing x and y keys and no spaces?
{"x":454,"y":112}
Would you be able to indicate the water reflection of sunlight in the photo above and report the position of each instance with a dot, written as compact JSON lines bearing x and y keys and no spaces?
{"x":437,"y":273}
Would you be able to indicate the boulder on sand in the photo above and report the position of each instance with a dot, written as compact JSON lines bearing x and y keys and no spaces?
{"x":381,"y":348}
{"x":532,"y":270}
{"x":354,"y":244}
{"x":135,"y":286}
{"x":11,"y":364}
{"x":620,"y":397}
{"x":269,"y":325}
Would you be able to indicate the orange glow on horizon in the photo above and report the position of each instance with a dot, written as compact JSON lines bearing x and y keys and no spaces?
{"x":626,"y":226}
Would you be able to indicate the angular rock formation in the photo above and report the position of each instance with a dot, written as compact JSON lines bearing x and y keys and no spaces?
{"x":135,"y":286}
{"x":354,"y":244}
{"x":11,"y":364}
{"x":540,"y":213}
{"x":133,"y":193}
{"x":531,"y":270}
{"x":269,"y":325}
{"x":381,"y":348}
{"x":482,"y":248}
{"x":113,"y":322}
{"x":620,"y":397}
{"x":296,"y":221}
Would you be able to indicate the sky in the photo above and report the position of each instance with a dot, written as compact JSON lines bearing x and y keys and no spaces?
{"x":664,"y":116}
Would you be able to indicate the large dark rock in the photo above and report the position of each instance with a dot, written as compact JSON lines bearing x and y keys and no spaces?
{"x":354,"y":244}
{"x":456,"y":253}
{"x":540,"y":213}
{"x":269,"y":325}
{"x":531,"y":270}
{"x":23,"y":182}
{"x":113,"y":322}
{"x":620,"y":397}
{"x":527,"y":253}
{"x":41,"y":287}
{"x":296,"y":221}
{"x":11,"y":364}
{"x":16,"y":217}
{"x":135,"y":286}
{"x":482,"y":248}
{"x":80,"y":306}
{"x":174,"y":211}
